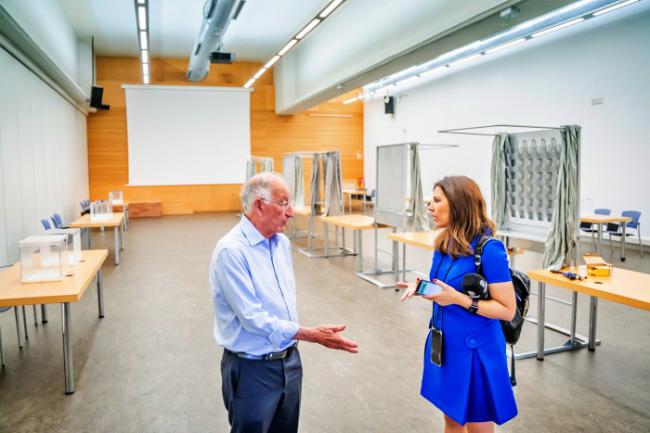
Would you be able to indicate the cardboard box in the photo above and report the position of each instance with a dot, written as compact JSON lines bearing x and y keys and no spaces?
{"x":597,"y":266}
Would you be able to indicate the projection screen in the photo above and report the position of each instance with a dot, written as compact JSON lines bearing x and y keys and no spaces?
{"x":187,"y":135}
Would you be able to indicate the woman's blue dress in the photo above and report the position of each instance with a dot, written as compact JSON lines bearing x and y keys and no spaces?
{"x":473,"y":384}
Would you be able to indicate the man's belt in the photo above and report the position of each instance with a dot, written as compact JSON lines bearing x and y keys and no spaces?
{"x":273,"y":356}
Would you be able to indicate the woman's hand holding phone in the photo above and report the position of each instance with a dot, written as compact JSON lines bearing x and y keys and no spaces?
{"x":409,"y":289}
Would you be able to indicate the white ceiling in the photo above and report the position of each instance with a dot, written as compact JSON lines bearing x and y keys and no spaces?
{"x":263,"y":27}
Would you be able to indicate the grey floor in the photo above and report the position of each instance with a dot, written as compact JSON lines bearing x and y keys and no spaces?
{"x":151,"y":365}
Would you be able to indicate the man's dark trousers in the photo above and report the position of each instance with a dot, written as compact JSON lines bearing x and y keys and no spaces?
{"x":262,"y":396}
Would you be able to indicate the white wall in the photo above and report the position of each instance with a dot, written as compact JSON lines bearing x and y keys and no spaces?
{"x":43,"y":156}
{"x":47,"y":25}
{"x":550,"y":81}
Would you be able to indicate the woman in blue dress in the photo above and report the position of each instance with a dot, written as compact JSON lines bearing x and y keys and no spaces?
{"x":471,"y":386}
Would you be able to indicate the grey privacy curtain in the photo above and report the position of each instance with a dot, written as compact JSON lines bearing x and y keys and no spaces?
{"x":316,"y":175}
{"x":292,"y":173}
{"x":418,"y":220}
{"x":267,"y":165}
{"x":250,"y":169}
{"x":500,"y":213}
{"x":561,"y":245}
{"x":333,"y":184}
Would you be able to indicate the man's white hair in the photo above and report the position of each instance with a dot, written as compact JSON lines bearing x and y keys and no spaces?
{"x":260,"y":185}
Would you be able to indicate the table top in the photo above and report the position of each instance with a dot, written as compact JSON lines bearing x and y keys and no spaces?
{"x":602,"y":219}
{"x":70,"y":289}
{"x":623,"y":287}
{"x":424,"y":240}
{"x":354,"y":191}
{"x":85,"y":222}
{"x":353,"y":221}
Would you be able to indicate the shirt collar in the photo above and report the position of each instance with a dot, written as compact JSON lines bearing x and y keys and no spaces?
{"x":253,"y":236}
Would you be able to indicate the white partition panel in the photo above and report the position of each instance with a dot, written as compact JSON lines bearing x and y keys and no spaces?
{"x":185,"y":135}
{"x":43,"y":156}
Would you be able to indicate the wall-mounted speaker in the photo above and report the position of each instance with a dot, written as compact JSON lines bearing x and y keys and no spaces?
{"x":389,"y":105}
{"x":96,"y":95}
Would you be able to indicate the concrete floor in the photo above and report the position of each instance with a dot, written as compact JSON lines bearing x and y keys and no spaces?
{"x":151,"y":365}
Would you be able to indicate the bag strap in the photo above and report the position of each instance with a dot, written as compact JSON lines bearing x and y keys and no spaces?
{"x":478,"y":253}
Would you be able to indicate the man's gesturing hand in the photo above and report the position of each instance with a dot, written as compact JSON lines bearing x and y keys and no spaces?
{"x":328,"y":336}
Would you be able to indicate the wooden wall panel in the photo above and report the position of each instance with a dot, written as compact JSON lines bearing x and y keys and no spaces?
{"x":320,"y":128}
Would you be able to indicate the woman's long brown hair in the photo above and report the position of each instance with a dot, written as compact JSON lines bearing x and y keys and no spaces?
{"x":467,"y":215}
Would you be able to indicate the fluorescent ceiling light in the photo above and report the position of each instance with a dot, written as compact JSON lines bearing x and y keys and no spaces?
{"x":287,"y":47}
{"x":561,"y":26}
{"x":141,"y":2}
{"x":431,"y":71}
{"x":351,"y":100}
{"x":407,"y":80}
{"x":259,"y":73}
{"x":507,"y":45}
{"x":308,"y":28}
{"x":249,"y":83}
{"x":142,"y":17}
{"x":145,"y":68}
{"x":613,"y":8}
{"x":145,"y":56}
{"x":271,"y":62}
{"x":143,"y":40}
{"x":466,"y":59}
{"x":145,"y":79}
{"x":328,"y":10}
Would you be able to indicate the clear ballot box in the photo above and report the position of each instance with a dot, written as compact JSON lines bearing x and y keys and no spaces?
{"x":101,"y":210}
{"x":43,"y":258}
{"x":74,"y":243}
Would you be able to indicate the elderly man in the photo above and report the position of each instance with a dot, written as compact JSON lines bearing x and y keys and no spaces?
{"x":254,"y":294}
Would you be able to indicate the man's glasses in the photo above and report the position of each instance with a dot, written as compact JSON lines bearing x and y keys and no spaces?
{"x":283,"y":204}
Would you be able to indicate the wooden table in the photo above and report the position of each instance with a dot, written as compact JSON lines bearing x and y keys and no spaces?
{"x":623,"y":287}
{"x":116,"y":221}
{"x":70,"y":289}
{"x":350,"y":192}
{"x":599,"y":220}
{"x":425,"y":240}
{"x":358,"y":223}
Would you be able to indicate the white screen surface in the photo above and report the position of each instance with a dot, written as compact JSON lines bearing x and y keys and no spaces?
{"x":187,"y":135}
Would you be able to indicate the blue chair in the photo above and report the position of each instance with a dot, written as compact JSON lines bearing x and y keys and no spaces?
{"x":46,"y":224}
{"x":58,"y":221}
{"x":614,"y":229}
{"x":589,"y":227}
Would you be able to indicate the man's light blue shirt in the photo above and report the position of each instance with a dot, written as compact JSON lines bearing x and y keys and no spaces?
{"x":254,"y":291}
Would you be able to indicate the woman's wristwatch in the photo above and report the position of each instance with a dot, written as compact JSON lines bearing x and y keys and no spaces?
{"x":474,"y":307}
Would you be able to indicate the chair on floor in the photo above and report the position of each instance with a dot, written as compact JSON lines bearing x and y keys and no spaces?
{"x":589,"y":227}
{"x":85,"y":207}
{"x":614,"y":229}
{"x":46,"y":224}
{"x":58,"y":221}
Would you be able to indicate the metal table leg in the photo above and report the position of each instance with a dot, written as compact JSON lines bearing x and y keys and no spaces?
{"x":122,"y":237}
{"x":600,"y":239}
{"x":18,"y":327}
{"x":43,"y":313}
{"x":100,"y":295}
{"x":35,"y":315}
{"x":310,"y":230}
{"x":623,"y":242}
{"x":68,"y":361}
{"x":593,"y":313}
{"x":541,"y":305}
{"x":403,"y":262}
{"x":326,"y":239}
{"x":25,"y":323}
{"x":574,"y":315}
{"x":117,"y":246}
{"x":358,"y":239}
{"x":90,"y":241}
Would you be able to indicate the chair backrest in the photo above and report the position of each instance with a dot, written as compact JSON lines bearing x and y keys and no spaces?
{"x":46,"y":224}
{"x":602,"y":211}
{"x":57,"y":220}
{"x":634,"y":215}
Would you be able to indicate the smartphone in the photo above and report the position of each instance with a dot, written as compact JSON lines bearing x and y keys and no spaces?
{"x":427,"y":288}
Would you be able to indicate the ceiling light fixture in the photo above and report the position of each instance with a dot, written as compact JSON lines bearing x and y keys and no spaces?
{"x":315,"y":21}
{"x":506,"y":45}
{"x":330,"y":8}
{"x":556,"y":28}
{"x":142,"y":23}
{"x":613,"y":8}
{"x":552,"y":21}
{"x":308,"y":28}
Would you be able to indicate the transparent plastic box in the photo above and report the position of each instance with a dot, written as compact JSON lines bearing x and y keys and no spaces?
{"x":116,"y":198}
{"x":73,"y":241}
{"x":43,"y":258}
{"x":101,"y":210}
